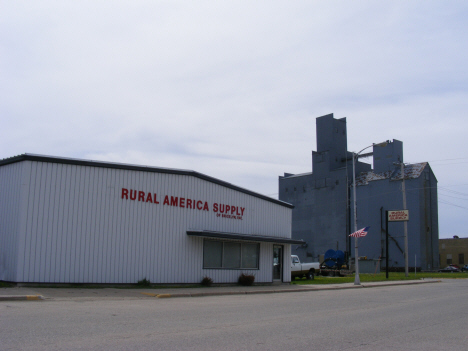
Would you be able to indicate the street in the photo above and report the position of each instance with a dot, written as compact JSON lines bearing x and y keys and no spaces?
{"x":409,"y":317}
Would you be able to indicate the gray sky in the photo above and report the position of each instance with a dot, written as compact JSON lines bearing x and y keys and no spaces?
{"x":232,"y":89}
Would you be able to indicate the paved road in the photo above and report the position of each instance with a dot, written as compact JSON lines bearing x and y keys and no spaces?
{"x":413,"y":317}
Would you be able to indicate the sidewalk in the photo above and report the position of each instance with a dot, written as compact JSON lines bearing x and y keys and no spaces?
{"x":33,"y":293}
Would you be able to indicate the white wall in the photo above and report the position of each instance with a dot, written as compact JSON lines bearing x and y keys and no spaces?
{"x":77,"y":228}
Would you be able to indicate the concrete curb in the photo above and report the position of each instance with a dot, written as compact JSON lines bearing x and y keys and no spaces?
{"x":410,"y":282}
{"x":21,"y":298}
{"x":31,"y":295}
{"x":277,"y":291}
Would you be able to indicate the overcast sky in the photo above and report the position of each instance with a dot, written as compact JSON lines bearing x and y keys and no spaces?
{"x":232,"y":89}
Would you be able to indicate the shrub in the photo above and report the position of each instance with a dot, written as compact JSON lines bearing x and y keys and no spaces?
{"x":246,"y":279}
{"x":144,"y":282}
{"x":206,"y":281}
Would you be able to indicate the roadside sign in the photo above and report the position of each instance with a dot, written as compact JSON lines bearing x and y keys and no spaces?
{"x":398,"y":216}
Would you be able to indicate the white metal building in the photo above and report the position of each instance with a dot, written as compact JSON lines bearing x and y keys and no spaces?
{"x":76,"y":221}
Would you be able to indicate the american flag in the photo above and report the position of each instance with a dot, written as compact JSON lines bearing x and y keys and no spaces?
{"x":360,"y":233}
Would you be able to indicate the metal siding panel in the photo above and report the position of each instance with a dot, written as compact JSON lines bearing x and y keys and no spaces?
{"x":149,"y":252}
{"x":114,"y":277}
{"x":97,"y":247}
{"x":129,"y":234}
{"x":82,"y":221}
{"x":106,"y":227}
{"x":24,"y":174}
{"x":35,"y":185}
{"x":108,"y":195}
{"x":41,"y":240}
{"x":91,"y":254}
{"x":134,"y":230}
{"x":164,"y":232}
{"x":52,"y":226}
{"x":142,"y":239}
{"x":121,"y":230}
{"x":158,"y":229}
{"x":143,"y":213}
{"x":48,"y":224}
{"x":90,"y":251}
{"x":137,"y":238}
{"x":61,"y":225}
{"x":70,"y":222}
{"x":10,"y":202}
{"x":150,"y":186}
{"x":87,"y":274}
{"x":126,"y":230}
{"x":79,"y":262}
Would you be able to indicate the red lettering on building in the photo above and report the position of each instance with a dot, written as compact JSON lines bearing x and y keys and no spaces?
{"x":228,"y":211}
{"x":149,"y":198}
{"x":125,"y":193}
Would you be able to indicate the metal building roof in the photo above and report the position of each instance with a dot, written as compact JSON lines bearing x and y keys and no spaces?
{"x":411,"y":171}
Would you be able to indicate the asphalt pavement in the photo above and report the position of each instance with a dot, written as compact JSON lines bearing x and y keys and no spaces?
{"x":63,"y":293}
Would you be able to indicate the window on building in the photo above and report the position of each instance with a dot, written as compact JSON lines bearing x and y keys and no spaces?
{"x":230,"y":255}
{"x":449,"y":258}
{"x":461,"y":258}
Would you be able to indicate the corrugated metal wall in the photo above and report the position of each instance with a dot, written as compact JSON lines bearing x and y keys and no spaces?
{"x":10,"y":198}
{"x":79,"y":229}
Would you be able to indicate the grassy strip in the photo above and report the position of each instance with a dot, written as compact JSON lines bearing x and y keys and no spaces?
{"x":377,"y":277}
{"x":5,"y":285}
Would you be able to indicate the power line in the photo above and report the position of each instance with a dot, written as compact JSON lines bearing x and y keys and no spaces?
{"x":453,"y":191}
{"x":453,"y":197}
{"x":450,"y":159}
{"x":449,"y":203}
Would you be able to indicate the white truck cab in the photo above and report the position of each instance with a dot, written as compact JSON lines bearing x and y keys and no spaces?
{"x":299,"y":269}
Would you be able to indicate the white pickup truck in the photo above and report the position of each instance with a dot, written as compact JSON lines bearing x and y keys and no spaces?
{"x":299,"y":269}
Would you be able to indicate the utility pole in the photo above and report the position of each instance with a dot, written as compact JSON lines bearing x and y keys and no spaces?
{"x":405,"y":223}
{"x":357,"y":281}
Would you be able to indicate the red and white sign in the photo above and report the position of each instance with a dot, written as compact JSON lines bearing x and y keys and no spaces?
{"x":398,"y":216}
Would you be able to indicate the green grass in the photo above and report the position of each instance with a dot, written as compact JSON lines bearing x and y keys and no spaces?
{"x":5,"y":285}
{"x":378,"y":277}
